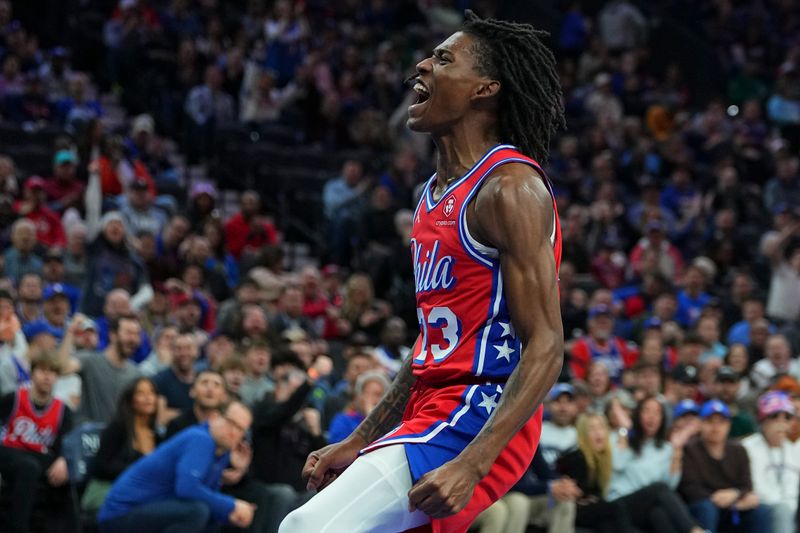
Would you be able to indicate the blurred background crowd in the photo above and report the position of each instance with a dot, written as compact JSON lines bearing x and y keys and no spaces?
{"x":203,"y":201}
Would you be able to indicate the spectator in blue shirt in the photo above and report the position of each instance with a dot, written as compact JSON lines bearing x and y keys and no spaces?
{"x":370,"y":388}
{"x":176,"y":488}
{"x":693,"y":297}
{"x":753,"y":312}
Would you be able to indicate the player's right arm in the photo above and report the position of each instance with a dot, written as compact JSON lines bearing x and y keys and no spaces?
{"x":324,"y":465}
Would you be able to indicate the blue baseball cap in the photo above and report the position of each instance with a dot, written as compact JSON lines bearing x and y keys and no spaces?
{"x":601,"y":309}
{"x":561,"y":388}
{"x":65,"y":156}
{"x":56,"y":289}
{"x":686,"y":407}
{"x":714,"y":407}
{"x":39,"y":327}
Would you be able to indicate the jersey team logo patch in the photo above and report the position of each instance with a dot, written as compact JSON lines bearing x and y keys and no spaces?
{"x":449,"y":205}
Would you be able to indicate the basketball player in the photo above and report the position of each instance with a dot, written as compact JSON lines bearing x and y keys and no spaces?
{"x":461,"y":422}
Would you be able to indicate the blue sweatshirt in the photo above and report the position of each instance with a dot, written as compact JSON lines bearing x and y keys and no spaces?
{"x":185,"y":467}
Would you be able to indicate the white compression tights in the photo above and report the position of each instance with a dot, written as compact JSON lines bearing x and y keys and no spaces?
{"x":370,"y":496}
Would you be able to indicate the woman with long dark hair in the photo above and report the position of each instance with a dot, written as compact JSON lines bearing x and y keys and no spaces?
{"x":647,"y":469}
{"x":130,"y":435}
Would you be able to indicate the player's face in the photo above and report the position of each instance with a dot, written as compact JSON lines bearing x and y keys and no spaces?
{"x":447,"y":85}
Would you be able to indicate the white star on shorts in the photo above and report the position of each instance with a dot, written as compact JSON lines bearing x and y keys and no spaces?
{"x":508,"y":330}
{"x":504,"y":351}
{"x":489,"y":402}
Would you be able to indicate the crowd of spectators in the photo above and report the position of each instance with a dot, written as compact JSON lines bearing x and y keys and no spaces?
{"x":135,"y":301}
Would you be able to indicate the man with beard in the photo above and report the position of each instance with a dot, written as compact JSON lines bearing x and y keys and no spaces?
{"x":105,"y":374}
{"x":29,"y":298}
{"x":117,"y":304}
{"x":174,"y":384}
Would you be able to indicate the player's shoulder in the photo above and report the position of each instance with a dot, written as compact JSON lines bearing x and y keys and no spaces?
{"x":515,"y":181}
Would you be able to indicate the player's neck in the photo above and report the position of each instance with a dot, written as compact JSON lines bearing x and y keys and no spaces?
{"x":458,"y":151}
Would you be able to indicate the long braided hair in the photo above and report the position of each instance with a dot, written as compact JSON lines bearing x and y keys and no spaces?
{"x":530,"y":107}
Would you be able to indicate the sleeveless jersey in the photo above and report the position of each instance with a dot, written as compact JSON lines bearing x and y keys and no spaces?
{"x":30,"y":429}
{"x":461,"y":306}
{"x":468,"y":347}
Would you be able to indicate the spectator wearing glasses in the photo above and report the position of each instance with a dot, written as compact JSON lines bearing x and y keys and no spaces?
{"x":775,"y":460}
{"x":177,"y":486}
{"x":273,"y":500}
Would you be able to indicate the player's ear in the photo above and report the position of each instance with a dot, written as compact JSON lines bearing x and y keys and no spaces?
{"x":487,"y":88}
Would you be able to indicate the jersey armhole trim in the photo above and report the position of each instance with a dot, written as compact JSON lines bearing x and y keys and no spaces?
{"x":487,"y":255}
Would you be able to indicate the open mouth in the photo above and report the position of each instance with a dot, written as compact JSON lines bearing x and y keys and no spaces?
{"x":422,"y":93}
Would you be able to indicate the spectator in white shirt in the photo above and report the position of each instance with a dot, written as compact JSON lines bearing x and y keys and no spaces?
{"x":778,"y":361}
{"x":775,"y":460}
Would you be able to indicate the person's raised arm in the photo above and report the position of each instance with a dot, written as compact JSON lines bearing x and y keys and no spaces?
{"x":513,"y":213}
{"x":324,"y":465}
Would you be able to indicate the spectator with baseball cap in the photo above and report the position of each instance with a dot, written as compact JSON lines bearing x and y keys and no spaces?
{"x":139,"y":214}
{"x":726,"y":389}
{"x":686,"y":413}
{"x":53,"y":273}
{"x":64,"y":189}
{"x":791,"y":386}
{"x":56,"y":308}
{"x":683,"y":384}
{"x":602,"y":344}
{"x":33,"y":206}
{"x":775,"y":460}
{"x":558,"y":431}
{"x":15,"y":369}
{"x":539,"y":497}
{"x":716,"y":480}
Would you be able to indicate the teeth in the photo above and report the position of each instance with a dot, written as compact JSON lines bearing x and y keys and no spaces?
{"x":420,"y":89}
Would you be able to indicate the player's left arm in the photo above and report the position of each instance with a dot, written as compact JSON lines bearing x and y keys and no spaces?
{"x":513,"y":212}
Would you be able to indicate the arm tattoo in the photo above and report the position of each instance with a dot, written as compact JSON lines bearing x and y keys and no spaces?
{"x":388,"y":413}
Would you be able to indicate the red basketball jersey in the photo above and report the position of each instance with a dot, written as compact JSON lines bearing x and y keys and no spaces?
{"x":30,"y":429}
{"x":467,"y":348}
{"x":466,"y":330}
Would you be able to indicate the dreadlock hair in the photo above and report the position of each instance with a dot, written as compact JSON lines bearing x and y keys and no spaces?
{"x":530,"y":101}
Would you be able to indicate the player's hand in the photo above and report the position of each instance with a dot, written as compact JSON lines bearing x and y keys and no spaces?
{"x":444,"y":491}
{"x":58,"y":473}
{"x":325,"y":465}
{"x":242,"y":514}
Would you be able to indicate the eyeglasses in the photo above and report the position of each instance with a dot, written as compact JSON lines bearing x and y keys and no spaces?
{"x":234,"y":423}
